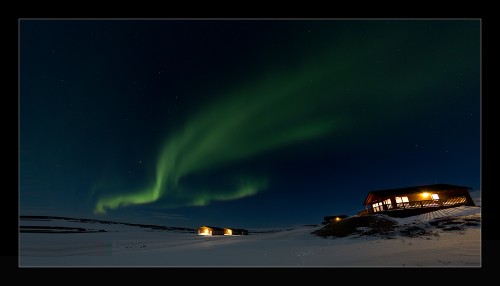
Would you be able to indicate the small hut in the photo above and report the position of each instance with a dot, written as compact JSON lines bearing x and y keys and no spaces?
{"x":333,"y":218}
{"x":210,"y":230}
{"x":236,"y":231}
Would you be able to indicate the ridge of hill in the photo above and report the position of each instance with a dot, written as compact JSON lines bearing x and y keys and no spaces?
{"x":431,"y":223}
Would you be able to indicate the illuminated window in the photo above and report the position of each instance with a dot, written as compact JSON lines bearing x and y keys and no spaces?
{"x":401,"y":200}
{"x":388,"y":204}
{"x":435,"y":197}
{"x":377,"y":207}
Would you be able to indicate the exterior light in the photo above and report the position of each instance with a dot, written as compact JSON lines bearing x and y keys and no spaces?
{"x":425,"y":195}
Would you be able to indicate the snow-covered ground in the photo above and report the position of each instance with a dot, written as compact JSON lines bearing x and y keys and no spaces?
{"x":123,"y":245}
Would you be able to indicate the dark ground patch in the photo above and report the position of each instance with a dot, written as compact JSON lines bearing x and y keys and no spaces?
{"x":385,"y":226}
{"x":359,"y":225}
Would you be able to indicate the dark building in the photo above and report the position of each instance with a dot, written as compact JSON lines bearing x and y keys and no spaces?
{"x":333,"y":218}
{"x":236,"y":231}
{"x":212,"y":230}
{"x":403,"y":202}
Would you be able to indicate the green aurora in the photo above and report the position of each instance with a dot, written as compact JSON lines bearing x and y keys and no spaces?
{"x":348,"y":88}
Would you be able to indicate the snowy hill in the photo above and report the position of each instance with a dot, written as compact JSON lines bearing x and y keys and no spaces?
{"x":458,"y":218}
{"x":450,"y":237}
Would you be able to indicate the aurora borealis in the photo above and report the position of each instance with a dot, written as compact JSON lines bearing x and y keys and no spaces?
{"x":255,"y":122}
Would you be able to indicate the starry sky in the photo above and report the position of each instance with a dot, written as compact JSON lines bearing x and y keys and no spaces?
{"x":242,"y":123}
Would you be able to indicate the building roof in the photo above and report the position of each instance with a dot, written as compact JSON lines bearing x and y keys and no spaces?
{"x":212,"y":227}
{"x":221,"y":228}
{"x":410,"y":190}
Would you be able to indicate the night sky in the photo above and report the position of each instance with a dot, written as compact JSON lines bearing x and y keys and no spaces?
{"x":242,"y":123}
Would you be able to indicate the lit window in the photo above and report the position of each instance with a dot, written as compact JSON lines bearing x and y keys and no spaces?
{"x":435,"y":197}
{"x":377,"y":207}
{"x":401,"y":200}
{"x":387,"y":202}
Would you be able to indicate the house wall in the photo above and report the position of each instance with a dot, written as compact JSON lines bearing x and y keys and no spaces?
{"x":416,"y":200}
{"x":402,"y":213}
{"x":217,"y":232}
{"x":204,"y":231}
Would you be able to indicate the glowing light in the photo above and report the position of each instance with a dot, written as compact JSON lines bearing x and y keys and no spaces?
{"x":204,"y":231}
{"x":425,"y":195}
{"x":337,"y":219}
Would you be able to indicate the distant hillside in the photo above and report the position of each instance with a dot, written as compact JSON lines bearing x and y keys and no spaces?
{"x":452,"y":219}
{"x":57,"y":224}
